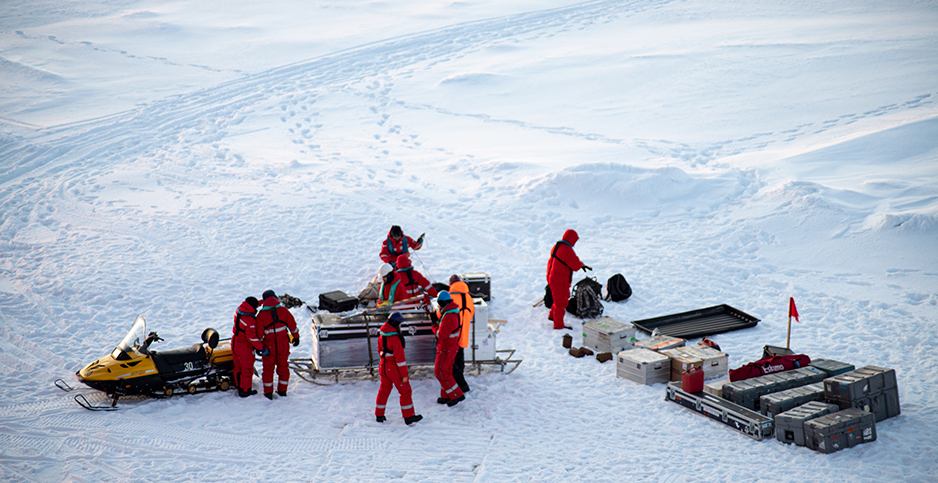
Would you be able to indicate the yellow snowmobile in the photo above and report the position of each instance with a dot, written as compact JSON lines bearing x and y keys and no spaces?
{"x":134,"y":368}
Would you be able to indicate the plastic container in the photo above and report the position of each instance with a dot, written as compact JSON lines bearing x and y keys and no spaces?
{"x":692,"y":380}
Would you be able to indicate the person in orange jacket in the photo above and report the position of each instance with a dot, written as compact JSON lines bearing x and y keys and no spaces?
{"x":459,"y":291}
{"x":397,"y":243}
{"x":393,"y":371}
{"x":563,"y":262}
{"x":244,"y":344}
{"x":447,"y":334}
{"x":275,"y":320}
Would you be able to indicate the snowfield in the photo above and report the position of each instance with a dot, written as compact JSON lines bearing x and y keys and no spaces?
{"x":171,"y":158}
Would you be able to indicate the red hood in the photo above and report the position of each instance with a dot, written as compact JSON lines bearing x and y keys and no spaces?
{"x":403,"y":262}
{"x":246,"y":308}
{"x":570,"y":237}
{"x":271,"y":302}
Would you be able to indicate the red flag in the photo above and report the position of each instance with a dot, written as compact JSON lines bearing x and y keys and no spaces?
{"x":792,"y":310}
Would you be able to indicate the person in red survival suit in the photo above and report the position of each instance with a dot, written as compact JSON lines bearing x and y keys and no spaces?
{"x":447,"y":345}
{"x":414,"y":282}
{"x":563,"y":262}
{"x":245,"y":342}
{"x":393,"y":370}
{"x":392,"y":287}
{"x":397,"y":244}
{"x":275,"y":320}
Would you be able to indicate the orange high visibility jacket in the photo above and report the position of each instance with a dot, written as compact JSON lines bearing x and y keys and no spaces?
{"x":467,"y":309}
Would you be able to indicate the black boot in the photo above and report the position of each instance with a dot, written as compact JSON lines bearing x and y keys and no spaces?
{"x":442,"y":400}
{"x":269,"y":395}
{"x":453,"y":402}
{"x":282,"y":393}
{"x":380,"y":419}
{"x":243,"y":393}
{"x":413,"y":419}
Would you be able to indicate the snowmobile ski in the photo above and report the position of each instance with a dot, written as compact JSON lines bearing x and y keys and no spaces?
{"x":83,"y":402}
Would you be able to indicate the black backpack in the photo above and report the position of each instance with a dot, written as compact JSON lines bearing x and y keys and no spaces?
{"x":585,"y":302}
{"x":617,"y":288}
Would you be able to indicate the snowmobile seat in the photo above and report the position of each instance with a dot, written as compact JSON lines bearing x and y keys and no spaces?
{"x":175,"y":360}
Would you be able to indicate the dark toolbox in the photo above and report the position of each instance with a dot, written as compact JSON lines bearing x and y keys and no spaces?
{"x":750,"y":423}
{"x":789,"y":425}
{"x":832,"y":367}
{"x":337,"y":301}
{"x":747,"y":392}
{"x":870,"y":388}
{"x":480,"y":285}
{"x":779,"y":402}
{"x":843,"y":429}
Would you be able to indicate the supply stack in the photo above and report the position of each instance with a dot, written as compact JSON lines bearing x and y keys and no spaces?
{"x":870,"y":388}
{"x":827,"y":406}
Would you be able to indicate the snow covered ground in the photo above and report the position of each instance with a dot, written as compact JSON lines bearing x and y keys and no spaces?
{"x":170,"y":158}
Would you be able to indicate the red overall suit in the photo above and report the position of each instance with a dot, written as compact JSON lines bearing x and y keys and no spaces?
{"x":414,"y":282}
{"x":392,"y":248}
{"x":447,"y":345}
{"x":244,"y":341}
{"x":392,"y":289}
{"x":563,"y":262}
{"x":393,"y":370}
{"x":277,"y":342}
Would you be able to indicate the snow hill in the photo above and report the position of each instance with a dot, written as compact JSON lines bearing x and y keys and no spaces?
{"x":170,"y":158}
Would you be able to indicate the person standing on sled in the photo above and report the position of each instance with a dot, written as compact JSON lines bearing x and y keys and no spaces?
{"x":393,"y":370}
{"x":275,"y":320}
{"x":459,"y":291}
{"x":414,"y":282}
{"x":447,"y":345}
{"x":244,"y":344}
{"x":392,"y":287}
{"x":397,"y":244}
{"x":563,"y":262}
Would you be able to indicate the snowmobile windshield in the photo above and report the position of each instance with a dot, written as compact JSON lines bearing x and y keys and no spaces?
{"x":133,"y":339}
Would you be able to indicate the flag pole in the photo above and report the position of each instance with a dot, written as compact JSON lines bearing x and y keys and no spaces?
{"x":788,"y":339}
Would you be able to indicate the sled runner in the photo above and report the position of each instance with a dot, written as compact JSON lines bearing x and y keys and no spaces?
{"x":133,"y":368}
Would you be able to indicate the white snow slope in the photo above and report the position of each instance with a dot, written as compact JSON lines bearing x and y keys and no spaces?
{"x":170,"y":158}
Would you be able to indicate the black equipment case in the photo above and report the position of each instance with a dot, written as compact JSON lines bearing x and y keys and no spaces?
{"x":789,"y":425}
{"x":337,"y":301}
{"x":747,"y":393}
{"x":778,"y":402}
{"x":843,"y":429}
{"x":870,"y":388}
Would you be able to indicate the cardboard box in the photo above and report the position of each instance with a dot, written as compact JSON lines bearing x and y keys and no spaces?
{"x":681,"y":360}
{"x":716,"y":387}
{"x":715,"y":363}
